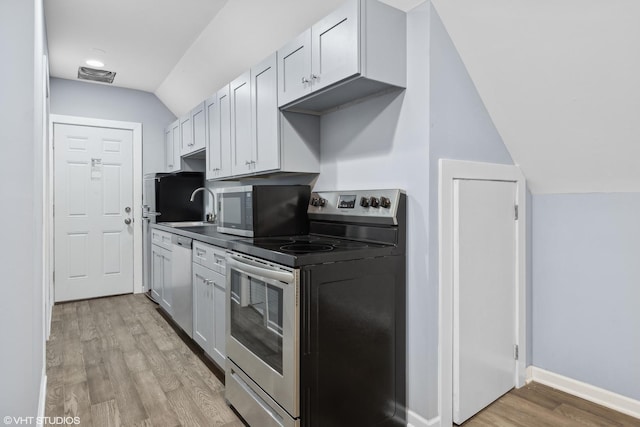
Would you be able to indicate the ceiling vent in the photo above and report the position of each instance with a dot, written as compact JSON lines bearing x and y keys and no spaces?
{"x":86,"y":73}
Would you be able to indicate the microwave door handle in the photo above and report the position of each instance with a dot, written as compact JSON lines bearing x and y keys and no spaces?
{"x":283,"y":276}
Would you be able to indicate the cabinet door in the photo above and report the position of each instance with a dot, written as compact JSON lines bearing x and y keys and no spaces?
{"x":212,"y":132}
{"x":219,"y":352}
{"x":334,"y":46}
{"x":156,"y":272}
{"x":166,"y":300}
{"x":294,"y":69}
{"x":168,"y":148}
{"x":167,"y":153}
{"x":219,"y":135}
{"x":264,"y":99}
{"x":203,"y":307}
{"x":198,"y":128}
{"x":241,"y":157}
{"x":173,"y":148}
{"x":186,"y":134}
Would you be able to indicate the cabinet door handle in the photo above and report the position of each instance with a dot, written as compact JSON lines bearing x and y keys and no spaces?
{"x":305,"y":80}
{"x":314,"y":77}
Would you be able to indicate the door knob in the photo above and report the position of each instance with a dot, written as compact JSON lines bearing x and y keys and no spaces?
{"x":128,"y":209}
{"x":127,"y":221}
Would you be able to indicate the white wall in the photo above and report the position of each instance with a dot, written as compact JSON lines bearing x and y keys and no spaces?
{"x":76,"y":98}
{"x":21,"y":188}
{"x":384,"y":143}
{"x":586,"y":290}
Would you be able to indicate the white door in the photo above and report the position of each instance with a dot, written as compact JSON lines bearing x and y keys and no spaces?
{"x":484,"y":294}
{"x":93,"y":202}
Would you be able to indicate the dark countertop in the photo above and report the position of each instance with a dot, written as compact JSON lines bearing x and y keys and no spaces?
{"x":204,"y":233}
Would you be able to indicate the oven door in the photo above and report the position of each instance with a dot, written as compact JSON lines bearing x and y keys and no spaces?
{"x":235,"y":214}
{"x":262,"y":326}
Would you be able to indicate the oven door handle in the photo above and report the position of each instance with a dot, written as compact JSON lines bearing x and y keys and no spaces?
{"x":239,"y":264}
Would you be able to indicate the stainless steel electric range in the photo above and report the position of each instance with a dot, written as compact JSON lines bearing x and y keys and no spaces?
{"x":316,"y":323}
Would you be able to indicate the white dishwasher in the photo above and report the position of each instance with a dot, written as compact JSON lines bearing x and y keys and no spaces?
{"x":181,"y":286}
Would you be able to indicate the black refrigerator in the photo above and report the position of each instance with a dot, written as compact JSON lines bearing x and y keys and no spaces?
{"x":166,"y":198}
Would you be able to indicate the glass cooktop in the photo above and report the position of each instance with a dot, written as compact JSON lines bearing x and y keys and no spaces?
{"x":308,"y":249}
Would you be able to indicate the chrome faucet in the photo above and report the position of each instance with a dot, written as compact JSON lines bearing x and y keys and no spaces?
{"x":213,"y":196}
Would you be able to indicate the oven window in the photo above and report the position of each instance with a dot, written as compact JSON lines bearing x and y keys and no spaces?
{"x":256,"y":317}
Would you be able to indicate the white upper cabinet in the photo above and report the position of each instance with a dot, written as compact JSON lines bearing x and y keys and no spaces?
{"x":186,"y":134}
{"x":356,"y":51}
{"x":218,"y":134}
{"x":241,"y":136}
{"x":294,"y":60}
{"x":334,"y":47}
{"x":172,"y":147}
{"x":265,"y":147}
{"x":264,"y":139}
{"x":193,"y":128}
{"x":198,"y":128}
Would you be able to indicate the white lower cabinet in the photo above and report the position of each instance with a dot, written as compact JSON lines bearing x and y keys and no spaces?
{"x":202,"y":306}
{"x":161,"y":277}
{"x":209,"y":308}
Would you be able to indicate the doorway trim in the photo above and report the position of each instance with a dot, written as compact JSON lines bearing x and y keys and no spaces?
{"x":136,"y":129}
{"x":450,"y":170}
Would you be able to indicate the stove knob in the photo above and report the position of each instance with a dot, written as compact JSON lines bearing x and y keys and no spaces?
{"x":364,"y":202}
{"x":315,"y":201}
{"x":322,"y":202}
{"x":374,"y":202}
{"x":385,"y":202}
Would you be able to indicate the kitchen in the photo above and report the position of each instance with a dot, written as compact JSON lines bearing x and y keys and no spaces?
{"x":384,"y":142}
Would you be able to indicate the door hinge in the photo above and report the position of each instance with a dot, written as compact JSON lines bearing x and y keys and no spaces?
{"x":516,"y":212}
{"x":515,"y":351}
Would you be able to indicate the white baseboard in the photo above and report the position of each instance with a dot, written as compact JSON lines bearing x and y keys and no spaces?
{"x":43,"y":396}
{"x":415,"y":420}
{"x":594,"y":394}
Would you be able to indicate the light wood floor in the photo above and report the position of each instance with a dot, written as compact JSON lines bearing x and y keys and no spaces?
{"x":536,"y":405}
{"x":116,"y":361}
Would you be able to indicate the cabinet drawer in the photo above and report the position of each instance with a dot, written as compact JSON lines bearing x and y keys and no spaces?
{"x":209,"y":256}
{"x":161,"y":238}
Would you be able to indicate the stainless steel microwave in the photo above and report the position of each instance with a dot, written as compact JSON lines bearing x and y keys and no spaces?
{"x":263,"y":210}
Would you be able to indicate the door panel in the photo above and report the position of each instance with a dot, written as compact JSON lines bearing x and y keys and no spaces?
{"x":219,"y":352}
{"x":241,"y":157}
{"x":335,"y":50}
{"x":198,"y":125}
{"x":156,"y":273}
{"x":294,"y":62}
{"x":264,"y":95}
{"x":202,"y":307}
{"x":93,"y":188}
{"x":484,"y":298}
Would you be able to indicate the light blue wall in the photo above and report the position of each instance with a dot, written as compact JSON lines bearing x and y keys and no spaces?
{"x":99,"y":101}
{"x":586,"y":288}
{"x":384,"y":143}
{"x":21,"y":191}
{"x":461,"y":129}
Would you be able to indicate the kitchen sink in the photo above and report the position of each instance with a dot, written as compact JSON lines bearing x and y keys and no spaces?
{"x":182,"y":224}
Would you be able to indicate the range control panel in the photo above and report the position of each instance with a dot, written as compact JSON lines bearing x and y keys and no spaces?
{"x":331,"y":205}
